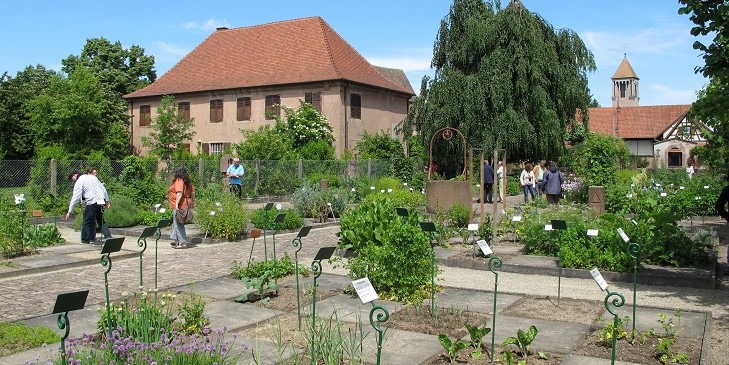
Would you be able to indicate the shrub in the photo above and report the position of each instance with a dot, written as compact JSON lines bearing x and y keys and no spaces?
{"x":122,"y":213}
{"x":42,"y":235}
{"x":230,"y":220}
{"x":284,"y":266}
{"x":459,"y":215}
{"x":13,"y":223}
{"x":278,"y":183}
{"x":401,"y":198}
{"x":332,"y":180}
{"x":310,"y":201}
{"x":151,"y":218}
{"x":138,"y":181}
{"x":264,"y":219}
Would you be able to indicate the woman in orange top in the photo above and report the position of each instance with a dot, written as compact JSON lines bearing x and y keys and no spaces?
{"x":181,"y":194}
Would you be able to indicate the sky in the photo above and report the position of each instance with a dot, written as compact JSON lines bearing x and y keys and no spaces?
{"x":392,"y":33}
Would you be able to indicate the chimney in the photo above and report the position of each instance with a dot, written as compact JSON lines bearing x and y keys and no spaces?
{"x":221,"y":28}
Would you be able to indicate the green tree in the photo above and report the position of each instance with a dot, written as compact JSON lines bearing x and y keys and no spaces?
{"x":711,"y":18}
{"x":597,"y":160}
{"x":266,"y":143}
{"x":16,"y":134}
{"x":169,"y":130}
{"x":505,"y":78}
{"x":81,"y":114}
{"x":124,"y":70}
{"x":304,"y":125}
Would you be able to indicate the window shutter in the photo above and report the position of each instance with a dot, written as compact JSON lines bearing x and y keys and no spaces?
{"x":145,"y":115}
{"x":206,"y":148}
{"x":183,"y":110}
{"x":244,"y":109}
{"x":356,"y":106}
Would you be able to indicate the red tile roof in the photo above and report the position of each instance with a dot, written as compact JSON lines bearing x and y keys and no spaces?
{"x":285,"y":52}
{"x":636,"y":121}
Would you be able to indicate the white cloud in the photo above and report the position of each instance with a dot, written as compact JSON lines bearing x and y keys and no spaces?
{"x":411,"y":60}
{"x":666,"y":95}
{"x":208,"y":25}
{"x":172,"y":50}
{"x":608,"y":47}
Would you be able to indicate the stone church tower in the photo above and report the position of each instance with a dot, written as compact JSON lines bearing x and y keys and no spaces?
{"x":625,"y":85}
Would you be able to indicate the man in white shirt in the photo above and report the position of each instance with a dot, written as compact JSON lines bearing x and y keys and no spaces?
{"x":499,"y":176}
{"x":89,"y":189}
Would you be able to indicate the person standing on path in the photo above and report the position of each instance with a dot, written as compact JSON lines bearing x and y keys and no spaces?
{"x":552,"y":184}
{"x":100,"y":223}
{"x":88,"y":188}
{"x":539,"y":171}
{"x":527,"y":181}
{"x":181,"y":194}
{"x":488,"y":182}
{"x":234,"y":173}
{"x":499,"y":181}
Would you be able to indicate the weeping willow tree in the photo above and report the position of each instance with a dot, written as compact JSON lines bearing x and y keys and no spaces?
{"x":506,"y":79}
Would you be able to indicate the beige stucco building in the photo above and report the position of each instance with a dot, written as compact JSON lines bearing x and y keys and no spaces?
{"x":235,"y":77}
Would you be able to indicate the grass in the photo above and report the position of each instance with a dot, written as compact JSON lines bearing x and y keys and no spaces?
{"x":9,"y":264}
{"x":17,"y":337}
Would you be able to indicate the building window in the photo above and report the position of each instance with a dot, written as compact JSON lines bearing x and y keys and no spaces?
{"x":145,"y":115}
{"x":244,"y":109}
{"x":314,"y":99}
{"x":273,"y":106}
{"x":622,"y":85}
{"x":216,"y":111}
{"x":183,"y":110}
{"x":675,"y":157}
{"x":355,"y":106}
{"x":215,"y":148}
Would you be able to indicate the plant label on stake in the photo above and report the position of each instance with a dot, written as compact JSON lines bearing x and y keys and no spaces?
{"x":547,"y":227}
{"x":592,"y":232}
{"x":599,"y":279}
{"x":623,"y":235}
{"x":664,"y":194}
{"x":516,"y":218}
{"x":473,"y":227}
{"x":365,"y":291}
{"x":484,"y":247}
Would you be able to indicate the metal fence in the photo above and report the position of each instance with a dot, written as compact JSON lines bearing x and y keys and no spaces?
{"x":44,"y":179}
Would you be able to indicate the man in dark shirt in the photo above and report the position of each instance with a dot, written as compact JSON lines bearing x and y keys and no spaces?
{"x":488,"y":182}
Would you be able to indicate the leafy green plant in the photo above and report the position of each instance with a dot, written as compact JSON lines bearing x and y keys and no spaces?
{"x":605,"y":337}
{"x":42,"y":235}
{"x":13,"y":224}
{"x":122,"y":213}
{"x":18,"y":337}
{"x":142,"y":316}
{"x":477,"y":334}
{"x":459,"y":215}
{"x":263,"y":284}
{"x":264,"y":219}
{"x":283,"y":266}
{"x":229,"y":220}
{"x":192,"y":313}
{"x":452,"y":347}
{"x":522,"y":340}
{"x":151,"y":218}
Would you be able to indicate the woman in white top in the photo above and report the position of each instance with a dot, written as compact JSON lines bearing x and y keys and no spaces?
{"x":527,"y":181}
{"x":690,"y":170}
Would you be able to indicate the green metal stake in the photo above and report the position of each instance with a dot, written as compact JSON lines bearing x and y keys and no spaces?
{"x":382,"y":317}
{"x":64,"y":324}
{"x":634,"y":252}
{"x":265,"y":228}
{"x":432,"y":276}
{"x":297,"y":245}
{"x":106,"y":261}
{"x":616,"y":302}
{"x":494,"y":263}
{"x":142,"y":242}
{"x":279,"y":218}
{"x":316,"y":269}
{"x":559,"y":225}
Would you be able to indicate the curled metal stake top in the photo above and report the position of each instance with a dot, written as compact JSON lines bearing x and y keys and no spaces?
{"x":494,"y":263}
{"x":634,"y":250}
{"x":447,"y":134}
{"x":106,"y":260}
{"x":617,"y":301}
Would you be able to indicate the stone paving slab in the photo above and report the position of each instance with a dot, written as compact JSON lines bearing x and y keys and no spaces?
{"x":232,"y":315}
{"x":350,"y":309}
{"x":692,"y":324}
{"x":584,"y":360}
{"x":402,"y":347}
{"x":82,"y":321}
{"x":471,"y":300}
{"x":553,"y":336}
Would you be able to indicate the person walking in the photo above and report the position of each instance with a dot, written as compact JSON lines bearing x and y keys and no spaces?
{"x":88,"y":189}
{"x":181,"y":194}
{"x":488,"y":182}
{"x":234,"y":173}
{"x":527,"y":181}
{"x":552,"y":184}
